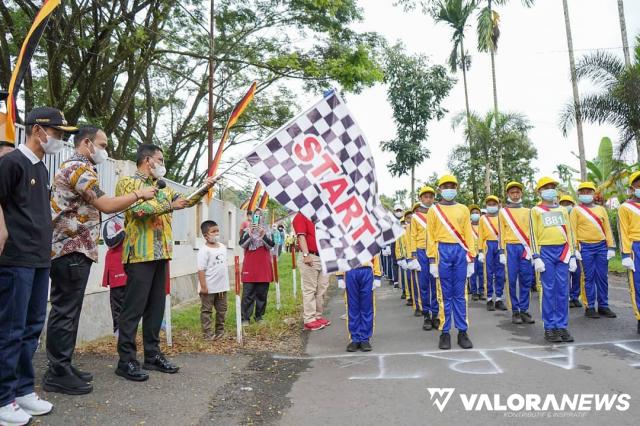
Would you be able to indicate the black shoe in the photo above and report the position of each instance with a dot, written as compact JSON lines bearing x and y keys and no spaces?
{"x":69,"y":384}
{"x":87,"y":377}
{"x":564,"y":335}
{"x":516,"y":318}
{"x":481,"y":297}
{"x":526,"y":318}
{"x":606,"y":312}
{"x":591,"y":313}
{"x":161,"y":364}
{"x":475,"y":297}
{"x":463,"y":340}
{"x":552,"y":336}
{"x":576,"y":304}
{"x":427,"y":324}
{"x":365,"y":347}
{"x":353,"y":346}
{"x":409,"y":302}
{"x":132,"y":371}
{"x":417,"y":313}
{"x":638,"y":326}
{"x":396,"y":286}
{"x":491,"y":306}
{"x":572,"y":303}
{"x":403,"y":296}
{"x":436,"y":323}
{"x":445,"y":341}
{"x":500,"y":306}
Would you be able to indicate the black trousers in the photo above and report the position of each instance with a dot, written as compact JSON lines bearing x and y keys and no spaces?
{"x":116,"y":299}
{"x":69,"y":276}
{"x":144,"y":298}
{"x":254,"y":295}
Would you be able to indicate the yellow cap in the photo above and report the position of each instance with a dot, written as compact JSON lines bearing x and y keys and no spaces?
{"x":634,"y":176}
{"x":587,"y":185}
{"x":515,"y":184}
{"x":426,"y":189}
{"x":447,"y":179}
{"x":545,"y":181}
{"x":568,"y":198}
{"x":414,"y":207}
{"x":492,"y":198}
{"x":407,"y":213}
{"x":474,"y":207}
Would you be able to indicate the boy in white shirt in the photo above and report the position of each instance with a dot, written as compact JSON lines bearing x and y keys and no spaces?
{"x":213,"y":278}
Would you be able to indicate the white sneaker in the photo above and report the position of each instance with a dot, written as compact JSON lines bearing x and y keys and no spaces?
{"x":33,"y":405}
{"x":13,"y":415}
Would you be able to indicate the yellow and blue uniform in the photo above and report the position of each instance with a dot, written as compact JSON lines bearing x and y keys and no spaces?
{"x":518,"y":270}
{"x":477,"y":279}
{"x":426,"y":282}
{"x":489,"y":234}
{"x":360,"y":300}
{"x":629,"y":223}
{"x":554,"y":244}
{"x":401,"y":254}
{"x":444,"y":250}
{"x":594,"y":238}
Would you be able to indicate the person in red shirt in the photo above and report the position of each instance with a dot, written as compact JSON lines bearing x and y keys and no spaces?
{"x":114,"y":276}
{"x":314,"y":282}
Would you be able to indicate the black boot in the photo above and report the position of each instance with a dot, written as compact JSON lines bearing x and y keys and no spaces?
{"x":409,"y":302}
{"x":591,"y":313}
{"x":475,"y":297}
{"x":606,"y":312}
{"x":500,"y":306}
{"x":516,"y":318}
{"x":526,"y":318}
{"x":491,"y":306}
{"x":445,"y":341}
{"x":417,"y":313}
{"x":463,"y":340}
{"x":87,"y":377}
{"x":482,"y":297}
{"x":427,"y":324}
{"x":552,"y":336}
{"x":565,"y":336}
{"x":403,"y":296}
{"x":365,"y":346}
{"x":436,"y":323}
{"x":353,"y":346}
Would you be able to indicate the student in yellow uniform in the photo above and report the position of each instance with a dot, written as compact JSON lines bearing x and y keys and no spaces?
{"x":552,"y":242}
{"x":401,"y":258}
{"x":359,"y":297}
{"x":629,"y":223}
{"x":476,"y":280}
{"x":426,"y":282}
{"x":575,"y":277}
{"x":414,"y":266}
{"x":594,"y":248}
{"x":408,"y":271}
{"x":489,"y":254}
{"x":451,"y":251}
{"x":515,"y":253}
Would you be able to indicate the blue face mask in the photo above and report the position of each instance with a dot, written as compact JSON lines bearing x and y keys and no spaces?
{"x":475,"y":217}
{"x":449,"y":194}
{"x":637,"y":192}
{"x":569,"y":208}
{"x":548,"y":194}
{"x":492,"y":209}
{"x":585,"y":198}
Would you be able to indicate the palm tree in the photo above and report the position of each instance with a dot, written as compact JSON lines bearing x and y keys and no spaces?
{"x":455,"y":13}
{"x":488,"y":35}
{"x":617,"y":103}
{"x":576,"y":96}
{"x":623,"y":32}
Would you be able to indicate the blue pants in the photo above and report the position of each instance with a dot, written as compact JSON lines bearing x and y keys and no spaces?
{"x":595,"y":267}
{"x":452,"y":286}
{"x":477,"y":279}
{"x":518,"y":271}
{"x":360,"y":302}
{"x":634,"y":280}
{"x":555,"y":288}
{"x":575,"y":283}
{"x":415,"y":290}
{"x":493,"y":271}
{"x":23,"y":307}
{"x":428,"y":292}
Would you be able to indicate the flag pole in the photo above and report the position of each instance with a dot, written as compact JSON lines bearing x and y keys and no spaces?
{"x":293,"y":270}
{"x":238,"y":312}
{"x":276,"y":280}
{"x":211,"y":71}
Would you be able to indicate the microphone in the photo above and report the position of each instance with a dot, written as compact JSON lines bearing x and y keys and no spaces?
{"x":160,"y":184}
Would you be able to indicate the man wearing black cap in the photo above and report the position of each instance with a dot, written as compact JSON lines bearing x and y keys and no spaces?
{"x":25,"y":261}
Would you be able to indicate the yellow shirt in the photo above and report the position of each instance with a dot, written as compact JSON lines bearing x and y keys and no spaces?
{"x":401,"y":251}
{"x":588,"y":232}
{"x":375,"y":264}
{"x":458,"y":216}
{"x":418,"y":232}
{"x":474,"y":229}
{"x":550,"y":235}
{"x":521,"y":218}
{"x":486,"y":232}
{"x":629,"y":223}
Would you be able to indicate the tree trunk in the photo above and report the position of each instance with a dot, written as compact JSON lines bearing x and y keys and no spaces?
{"x":413,"y":184}
{"x":212,"y":69}
{"x":472,"y":159}
{"x":576,"y":96}
{"x":495,"y":117}
{"x":623,"y":32}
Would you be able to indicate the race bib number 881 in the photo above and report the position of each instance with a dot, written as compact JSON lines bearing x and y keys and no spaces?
{"x":553,"y":218}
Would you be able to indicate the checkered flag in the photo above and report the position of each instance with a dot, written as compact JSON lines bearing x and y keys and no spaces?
{"x":320,"y":165}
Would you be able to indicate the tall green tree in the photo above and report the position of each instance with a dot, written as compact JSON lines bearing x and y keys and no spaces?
{"x":415,"y":90}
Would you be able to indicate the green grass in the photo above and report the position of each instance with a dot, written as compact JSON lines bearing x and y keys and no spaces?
{"x":274,"y":324}
{"x":615,"y":265}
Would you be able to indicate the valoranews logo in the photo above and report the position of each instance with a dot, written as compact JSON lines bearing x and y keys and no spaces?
{"x":531,"y":402}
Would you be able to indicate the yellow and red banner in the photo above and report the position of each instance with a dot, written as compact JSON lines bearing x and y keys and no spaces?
{"x":252,"y":203}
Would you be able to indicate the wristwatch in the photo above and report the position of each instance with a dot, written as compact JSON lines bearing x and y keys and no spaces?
{"x":305,"y":254}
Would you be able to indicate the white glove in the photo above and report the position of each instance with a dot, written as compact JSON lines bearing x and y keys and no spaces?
{"x":578,"y":255}
{"x":341,"y":283}
{"x":573,"y":265}
{"x":376,"y":283}
{"x":481,"y":257}
{"x":433,"y":270}
{"x":627,"y":262}
{"x":386,"y":251}
{"x":610,"y":253}
{"x":415,"y":265}
{"x":470,"y":269}
{"x":503,"y":259}
{"x":538,"y":265}
{"x":402,"y":264}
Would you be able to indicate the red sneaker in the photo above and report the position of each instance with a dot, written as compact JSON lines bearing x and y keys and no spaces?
{"x":324,"y":321}
{"x":314,"y":325}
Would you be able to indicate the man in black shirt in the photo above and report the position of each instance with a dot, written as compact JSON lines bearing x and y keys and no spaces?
{"x":25,"y":261}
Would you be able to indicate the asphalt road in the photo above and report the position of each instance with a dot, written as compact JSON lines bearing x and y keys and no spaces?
{"x":390,"y":385}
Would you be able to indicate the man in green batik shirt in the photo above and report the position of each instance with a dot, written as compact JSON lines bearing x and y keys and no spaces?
{"x":147,"y":249}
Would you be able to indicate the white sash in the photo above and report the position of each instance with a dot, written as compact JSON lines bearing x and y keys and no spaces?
{"x":632,"y":208}
{"x":591,"y":219}
{"x":489,"y":225}
{"x":451,"y":231}
{"x":420,"y":220}
{"x":516,"y":231}
{"x":564,"y":234}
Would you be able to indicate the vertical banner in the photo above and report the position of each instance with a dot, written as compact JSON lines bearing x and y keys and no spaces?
{"x":277,"y":280}
{"x":238,"y":304}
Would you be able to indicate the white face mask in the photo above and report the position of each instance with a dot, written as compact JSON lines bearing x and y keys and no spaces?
{"x":52,"y":146}
{"x":158,"y":171}
{"x":213,"y":240}
{"x":99,"y":155}
{"x":398,"y":214}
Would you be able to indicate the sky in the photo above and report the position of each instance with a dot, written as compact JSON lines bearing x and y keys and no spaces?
{"x":532,"y":70}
